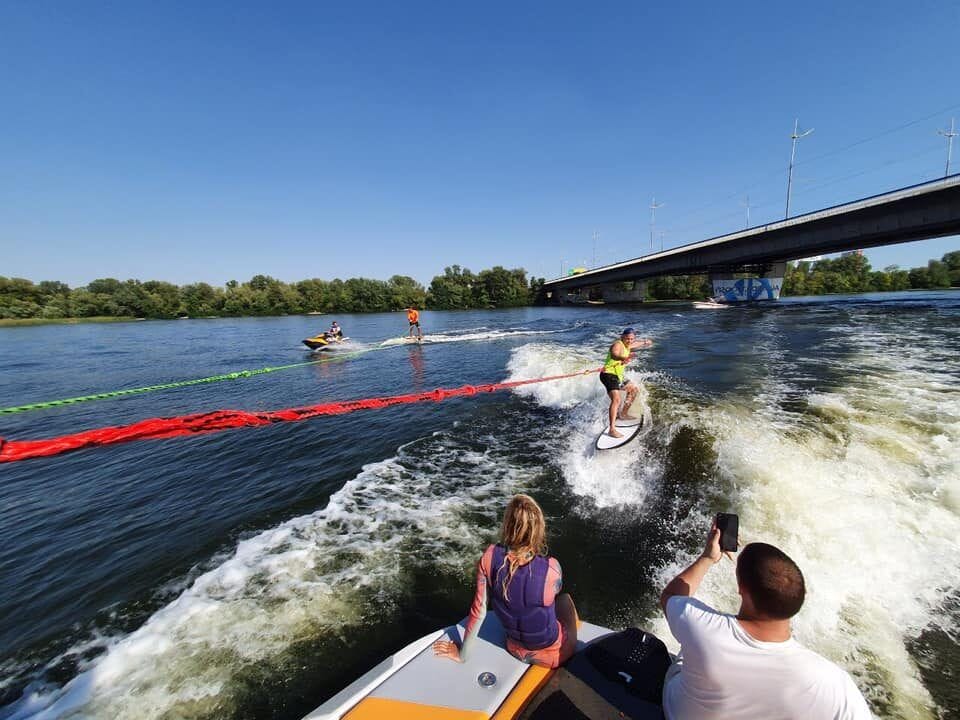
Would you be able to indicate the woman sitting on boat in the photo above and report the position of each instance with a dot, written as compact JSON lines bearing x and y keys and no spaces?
{"x":523,"y":585}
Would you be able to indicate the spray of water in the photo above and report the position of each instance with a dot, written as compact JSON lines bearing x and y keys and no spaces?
{"x":860,"y":489}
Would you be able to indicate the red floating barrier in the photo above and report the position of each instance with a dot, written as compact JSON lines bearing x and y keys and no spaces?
{"x":219,"y":420}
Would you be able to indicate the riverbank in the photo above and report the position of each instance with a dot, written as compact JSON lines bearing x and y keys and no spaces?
{"x":18,"y":322}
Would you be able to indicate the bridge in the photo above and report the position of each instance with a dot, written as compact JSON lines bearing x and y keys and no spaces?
{"x":917,"y":212}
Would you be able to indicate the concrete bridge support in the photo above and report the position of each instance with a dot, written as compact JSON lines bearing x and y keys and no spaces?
{"x":728,"y":288}
{"x":631,"y":291}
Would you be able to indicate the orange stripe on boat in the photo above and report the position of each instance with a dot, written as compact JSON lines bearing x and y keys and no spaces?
{"x":528,"y":686}
{"x":374,"y":708}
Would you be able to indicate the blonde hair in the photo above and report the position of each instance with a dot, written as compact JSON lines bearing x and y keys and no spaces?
{"x":524,"y":534}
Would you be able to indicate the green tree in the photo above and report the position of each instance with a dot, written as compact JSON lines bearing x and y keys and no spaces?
{"x":919,"y":278}
{"x":454,"y":290}
{"x":900,"y":280}
{"x":104,"y":286}
{"x":536,"y":289}
{"x":938,"y":274}
{"x":881,"y":281}
{"x":315,"y":295}
{"x":84,"y":303}
{"x":164,"y":298}
{"x":201,"y":300}
{"x":405,"y":292}
{"x":502,"y":287}
{"x":952,"y":261}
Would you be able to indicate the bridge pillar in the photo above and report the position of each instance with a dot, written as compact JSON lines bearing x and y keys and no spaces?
{"x":727,"y":288}
{"x":632,"y":291}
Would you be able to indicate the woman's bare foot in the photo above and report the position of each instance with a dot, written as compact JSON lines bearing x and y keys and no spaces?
{"x":613,"y":433}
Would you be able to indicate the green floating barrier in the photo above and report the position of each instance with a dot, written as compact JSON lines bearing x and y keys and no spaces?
{"x":236,"y":375}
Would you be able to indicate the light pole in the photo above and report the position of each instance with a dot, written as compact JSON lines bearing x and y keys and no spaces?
{"x":746,"y":204}
{"x":949,"y":135}
{"x":596,"y":236}
{"x":653,"y":219}
{"x":793,"y":152}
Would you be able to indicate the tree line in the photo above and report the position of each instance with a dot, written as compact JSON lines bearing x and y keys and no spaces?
{"x":850,"y":273}
{"x":456,"y":289}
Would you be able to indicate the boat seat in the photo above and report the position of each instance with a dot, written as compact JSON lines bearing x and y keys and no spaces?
{"x":436,"y":681}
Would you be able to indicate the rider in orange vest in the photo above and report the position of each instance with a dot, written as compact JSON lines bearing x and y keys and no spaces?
{"x":413,"y":317}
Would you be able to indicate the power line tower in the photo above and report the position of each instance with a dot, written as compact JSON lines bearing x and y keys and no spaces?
{"x":653,"y":218}
{"x":793,"y":152}
{"x":746,"y":203}
{"x":949,"y":135}
{"x":596,"y":236}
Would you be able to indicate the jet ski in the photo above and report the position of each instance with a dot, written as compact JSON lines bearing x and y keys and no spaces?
{"x":613,"y":675}
{"x":324,"y":341}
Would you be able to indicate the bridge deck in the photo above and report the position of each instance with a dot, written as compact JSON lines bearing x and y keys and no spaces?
{"x":917,"y":212}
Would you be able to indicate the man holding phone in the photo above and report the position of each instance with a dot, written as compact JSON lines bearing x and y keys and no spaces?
{"x":748,"y":665}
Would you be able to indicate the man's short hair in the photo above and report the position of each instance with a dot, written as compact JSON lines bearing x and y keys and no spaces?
{"x":773,"y":580}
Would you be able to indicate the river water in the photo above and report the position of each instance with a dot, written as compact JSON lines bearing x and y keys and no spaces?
{"x":252,"y":573}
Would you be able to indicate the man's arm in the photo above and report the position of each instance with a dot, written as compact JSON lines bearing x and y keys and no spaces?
{"x":687,"y":582}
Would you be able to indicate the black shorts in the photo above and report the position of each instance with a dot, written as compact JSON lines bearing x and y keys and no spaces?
{"x":612,"y":382}
{"x":415,"y":323}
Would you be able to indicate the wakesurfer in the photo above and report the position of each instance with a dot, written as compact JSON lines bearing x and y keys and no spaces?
{"x":413,"y":317}
{"x":613,"y":379}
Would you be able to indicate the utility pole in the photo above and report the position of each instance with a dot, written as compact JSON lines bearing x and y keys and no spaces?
{"x":653,"y":219}
{"x":596,"y":236}
{"x":746,"y":204}
{"x":562,"y":268}
{"x":662,"y":233}
{"x":949,"y":135}
{"x":793,"y":152}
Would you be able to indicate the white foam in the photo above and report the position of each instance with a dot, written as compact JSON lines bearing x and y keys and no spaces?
{"x":470,"y":336}
{"x":864,"y":493}
{"x":313,"y":574}
{"x":864,"y":501}
{"x":624,"y":476}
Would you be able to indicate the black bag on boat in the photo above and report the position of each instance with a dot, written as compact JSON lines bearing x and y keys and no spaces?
{"x":632,"y":658}
{"x":617,"y":676}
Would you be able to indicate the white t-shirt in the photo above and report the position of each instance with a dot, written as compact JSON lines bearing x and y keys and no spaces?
{"x":725,"y":673}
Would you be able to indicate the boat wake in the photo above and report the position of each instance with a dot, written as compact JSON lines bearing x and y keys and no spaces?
{"x":311,"y":580}
{"x":476,"y":335}
{"x":859,"y":484}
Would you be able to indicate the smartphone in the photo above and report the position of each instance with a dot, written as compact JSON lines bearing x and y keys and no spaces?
{"x":728,"y":524}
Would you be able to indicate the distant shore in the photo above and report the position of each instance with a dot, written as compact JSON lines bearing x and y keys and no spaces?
{"x":18,"y":322}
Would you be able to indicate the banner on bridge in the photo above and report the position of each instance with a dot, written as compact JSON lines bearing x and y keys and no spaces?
{"x":747,"y":289}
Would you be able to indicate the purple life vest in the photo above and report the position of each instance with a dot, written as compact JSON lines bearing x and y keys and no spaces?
{"x":524,"y":617}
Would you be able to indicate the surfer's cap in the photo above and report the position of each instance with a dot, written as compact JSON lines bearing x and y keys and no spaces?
{"x":628,"y":331}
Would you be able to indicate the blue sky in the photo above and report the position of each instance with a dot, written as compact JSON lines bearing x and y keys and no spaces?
{"x":209,"y":141}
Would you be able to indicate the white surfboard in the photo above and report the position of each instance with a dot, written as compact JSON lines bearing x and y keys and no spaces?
{"x":629,"y":422}
{"x":608,"y":442}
